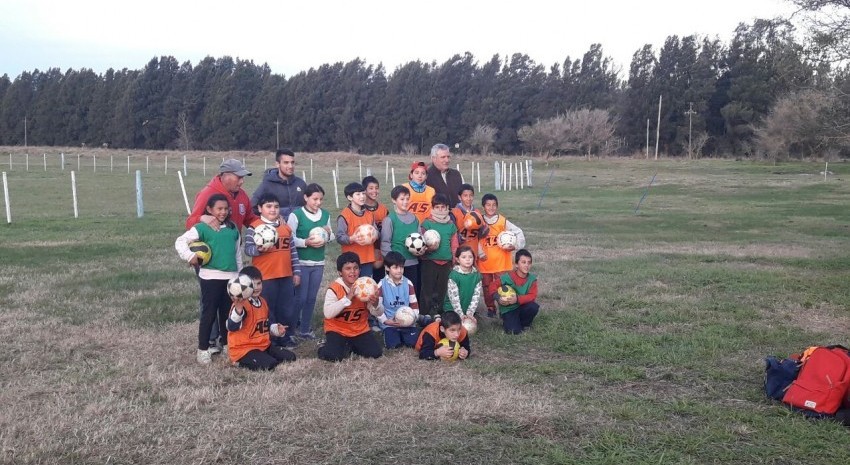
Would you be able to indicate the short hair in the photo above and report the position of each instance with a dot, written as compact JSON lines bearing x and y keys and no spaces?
{"x":267,"y":197}
{"x":437,"y":148}
{"x":398,"y":190}
{"x":312,"y":188}
{"x":440,"y":199}
{"x":281,"y":152}
{"x":522,"y":253}
{"x":488,"y":196}
{"x":465,"y":187}
{"x":370,"y":180}
{"x":346,"y":258}
{"x":353,"y":188}
{"x":449,"y":319}
{"x":462,"y":249}
{"x":252,"y":272}
{"x":394,"y":259}
{"x":217,"y":197}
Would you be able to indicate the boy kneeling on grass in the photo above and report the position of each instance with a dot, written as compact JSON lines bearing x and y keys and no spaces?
{"x":518,"y":311}
{"x":447,"y":326}
{"x":248,"y":330}
{"x":346,"y":317}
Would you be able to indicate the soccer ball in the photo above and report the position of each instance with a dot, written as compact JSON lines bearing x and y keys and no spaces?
{"x":368,"y":232}
{"x":405,"y":316}
{"x":264,"y":235}
{"x":415,"y":243}
{"x":364,"y":288}
{"x":431,"y":238}
{"x":505,"y":292}
{"x":202,"y":251}
{"x":472,"y":220}
{"x":241,"y":287}
{"x":453,"y":345}
{"x":319,"y":231}
{"x":470,"y":325}
{"x":506,"y":240}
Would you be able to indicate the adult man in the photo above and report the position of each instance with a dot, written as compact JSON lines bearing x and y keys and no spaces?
{"x":228,"y":181}
{"x":282,"y":183}
{"x":441,"y":177}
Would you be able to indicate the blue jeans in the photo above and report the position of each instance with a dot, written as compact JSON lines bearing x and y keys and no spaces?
{"x":516,"y":320}
{"x":280,"y":295}
{"x":311,"y":280}
{"x":397,"y":337}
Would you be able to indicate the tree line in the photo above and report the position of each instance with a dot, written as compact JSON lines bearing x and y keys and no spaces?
{"x":716,"y":98}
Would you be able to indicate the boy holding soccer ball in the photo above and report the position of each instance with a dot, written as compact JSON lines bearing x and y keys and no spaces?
{"x":437,"y":263}
{"x":399,"y":224}
{"x":395,"y":291}
{"x":448,"y":327}
{"x":349,"y":223}
{"x":495,"y":259}
{"x":346,"y":317}
{"x":279,"y":265}
{"x":518,"y":311}
{"x":249,"y":329}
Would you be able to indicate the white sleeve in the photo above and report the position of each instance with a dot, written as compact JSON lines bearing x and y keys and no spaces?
{"x":182,"y":243}
{"x":334,"y":306}
{"x":520,"y":236}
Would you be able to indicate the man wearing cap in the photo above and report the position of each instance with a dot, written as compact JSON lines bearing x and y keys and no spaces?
{"x":441,"y":177}
{"x":282,"y":182}
{"x":228,"y":181}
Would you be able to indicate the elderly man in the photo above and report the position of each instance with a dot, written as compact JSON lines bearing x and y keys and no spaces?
{"x":441,"y":177}
{"x":282,"y":182}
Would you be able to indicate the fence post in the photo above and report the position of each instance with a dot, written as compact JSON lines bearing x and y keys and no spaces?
{"x":140,"y":208}
{"x":74,"y":193}
{"x":6,"y":196}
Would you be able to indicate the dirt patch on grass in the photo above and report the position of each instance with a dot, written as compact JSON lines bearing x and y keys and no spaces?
{"x":824,"y":317}
{"x":589,"y":252}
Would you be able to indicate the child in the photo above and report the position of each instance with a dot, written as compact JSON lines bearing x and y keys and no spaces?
{"x":420,"y":194}
{"x":349,"y":220}
{"x":464,"y":288}
{"x":248,"y":330}
{"x":311,"y":254}
{"x":437,"y":263}
{"x":399,"y":224}
{"x":224,"y":262}
{"x":468,"y":235}
{"x":379,"y":212}
{"x":346,"y":326}
{"x":396,"y":291}
{"x":494,"y":260}
{"x":448,"y":326}
{"x":279,"y":266}
{"x":518,"y":312}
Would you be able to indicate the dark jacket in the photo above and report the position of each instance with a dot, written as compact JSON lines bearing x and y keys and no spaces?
{"x":449,"y":187}
{"x":289,"y":192}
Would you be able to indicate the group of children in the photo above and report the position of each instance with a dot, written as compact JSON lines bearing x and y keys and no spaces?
{"x":443,"y":285}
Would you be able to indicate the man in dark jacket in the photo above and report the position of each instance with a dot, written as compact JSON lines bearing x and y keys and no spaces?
{"x":282,"y":183}
{"x":444,"y":179}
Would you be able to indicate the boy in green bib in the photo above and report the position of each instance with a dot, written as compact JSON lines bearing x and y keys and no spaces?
{"x":518,"y":311}
{"x":437,"y":263}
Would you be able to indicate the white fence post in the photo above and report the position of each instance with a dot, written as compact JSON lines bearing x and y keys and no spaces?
{"x":6,"y":196}
{"x":74,"y":193}
{"x":183,"y":190}
{"x":62,"y":158}
{"x":497,"y":170}
{"x":140,"y":208}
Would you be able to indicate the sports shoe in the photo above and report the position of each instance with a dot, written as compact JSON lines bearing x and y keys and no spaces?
{"x":424,"y":320}
{"x":225,"y":351}
{"x":204,"y":357}
{"x":308,"y":335}
{"x":290,"y":343}
{"x":215,"y":347}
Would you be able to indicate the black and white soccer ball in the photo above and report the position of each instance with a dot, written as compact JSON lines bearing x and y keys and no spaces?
{"x":241,"y":286}
{"x":265,"y":234}
{"x":415,"y":243}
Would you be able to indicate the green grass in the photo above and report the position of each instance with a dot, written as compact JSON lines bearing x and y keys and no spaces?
{"x":648,"y":349}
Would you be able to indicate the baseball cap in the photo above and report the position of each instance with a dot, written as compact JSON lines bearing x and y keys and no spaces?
{"x":233,"y":166}
{"x":417,"y":164}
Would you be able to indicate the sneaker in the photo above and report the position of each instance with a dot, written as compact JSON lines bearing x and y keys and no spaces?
{"x":215,"y":347}
{"x":290,"y":343}
{"x":224,"y":351}
{"x":376,"y":329}
{"x":309,"y":335}
{"x":204,"y":357}
{"x":424,"y":320}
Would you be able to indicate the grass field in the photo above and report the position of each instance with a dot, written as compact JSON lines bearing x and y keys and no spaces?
{"x":648,"y":348}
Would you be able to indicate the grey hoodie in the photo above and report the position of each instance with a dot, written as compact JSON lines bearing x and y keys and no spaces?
{"x":289,"y":192}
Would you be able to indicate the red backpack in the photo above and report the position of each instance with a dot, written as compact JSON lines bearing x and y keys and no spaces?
{"x":823,"y":382}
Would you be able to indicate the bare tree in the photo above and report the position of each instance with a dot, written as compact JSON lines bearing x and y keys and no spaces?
{"x":590,"y":130}
{"x":798,"y":125}
{"x":828,"y":22}
{"x":483,"y":137}
{"x":699,"y":143}
{"x":184,"y":139}
{"x":408,"y":149}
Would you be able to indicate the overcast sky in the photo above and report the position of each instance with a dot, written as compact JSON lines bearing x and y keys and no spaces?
{"x":295,"y":36}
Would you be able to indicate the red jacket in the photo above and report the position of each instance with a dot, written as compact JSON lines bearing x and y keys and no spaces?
{"x":240,"y":205}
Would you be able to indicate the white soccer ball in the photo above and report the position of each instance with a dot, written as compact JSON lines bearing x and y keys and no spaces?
{"x":405,"y":316}
{"x":241,"y":286}
{"x":320,"y":232}
{"x":415,"y":243}
{"x":264,"y":235}
{"x":368,"y":232}
{"x":470,"y":325}
{"x":506,"y":240}
{"x":432,"y":238}
{"x":364,"y":288}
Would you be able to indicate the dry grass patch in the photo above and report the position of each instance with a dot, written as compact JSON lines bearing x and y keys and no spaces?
{"x":823,"y":317}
